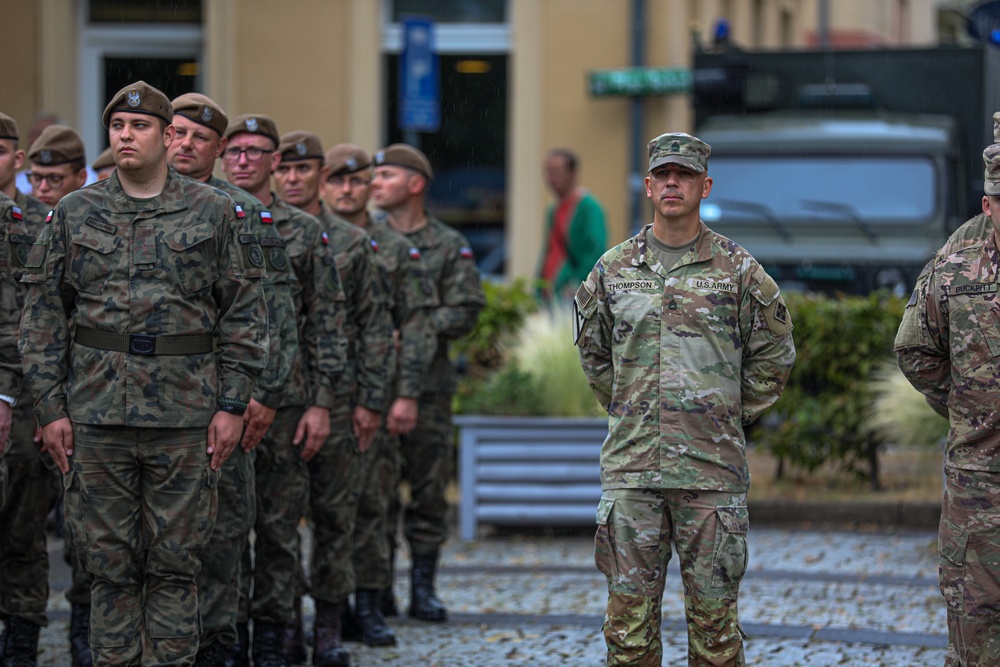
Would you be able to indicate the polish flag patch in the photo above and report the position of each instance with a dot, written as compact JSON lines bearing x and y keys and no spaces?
{"x":48,"y":218}
{"x":325,"y":238}
{"x":374,"y":245}
{"x":465,"y":252}
{"x":414,"y":253}
{"x":239,"y":212}
{"x":265,"y":217}
{"x":16,"y":212}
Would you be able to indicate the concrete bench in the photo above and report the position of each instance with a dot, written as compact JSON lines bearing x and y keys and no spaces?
{"x":516,"y":471}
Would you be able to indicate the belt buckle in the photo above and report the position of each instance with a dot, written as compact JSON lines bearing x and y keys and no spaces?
{"x":142,"y":345}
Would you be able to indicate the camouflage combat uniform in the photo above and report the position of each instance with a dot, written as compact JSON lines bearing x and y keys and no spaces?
{"x":412,"y":298}
{"x":281,"y":473}
{"x":682,"y":359}
{"x":949,"y":349}
{"x":219,"y":581}
{"x":143,"y":319}
{"x":426,"y":451}
{"x":336,"y":472}
{"x":32,"y":481}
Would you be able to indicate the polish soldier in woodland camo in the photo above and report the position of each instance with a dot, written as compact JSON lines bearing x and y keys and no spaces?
{"x":200,"y":124}
{"x":948,"y":346}
{"x":684,"y":339}
{"x":142,"y":335}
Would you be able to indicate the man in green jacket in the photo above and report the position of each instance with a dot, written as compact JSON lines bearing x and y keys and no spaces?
{"x":576,"y":234}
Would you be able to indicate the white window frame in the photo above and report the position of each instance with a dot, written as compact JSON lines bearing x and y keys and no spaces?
{"x":450,"y":38}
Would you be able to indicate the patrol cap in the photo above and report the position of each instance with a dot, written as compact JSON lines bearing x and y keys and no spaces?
{"x":139,"y":97}
{"x":57,"y":144}
{"x":202,"y":110}
{"x":8,"y":127}
{"x":254,"y":124}
{"x":404,"y":155}
{"x":991,"y":156}
{"x":678,"y":148}
{"x":104,"y":160}
{"x":347,"y":159}
{"x":300,"y":145}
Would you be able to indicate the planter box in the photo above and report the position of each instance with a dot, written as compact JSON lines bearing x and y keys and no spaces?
{"x":516,"y":471}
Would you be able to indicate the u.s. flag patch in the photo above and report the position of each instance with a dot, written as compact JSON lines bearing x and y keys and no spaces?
{"x":265,"y":217}
{"x":15,"y":211}
{"x":374,"y":245}
{"x":465,"y":252}
{"x":239,"y":212}
{"x":414,"y":253}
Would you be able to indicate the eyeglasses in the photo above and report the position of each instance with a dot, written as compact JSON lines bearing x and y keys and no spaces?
{"x":55,"y":180}
{"x":253,"y":153}
{"x":338,"y":181}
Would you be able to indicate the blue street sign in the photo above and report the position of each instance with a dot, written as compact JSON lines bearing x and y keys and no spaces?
{"x":419,"y":78}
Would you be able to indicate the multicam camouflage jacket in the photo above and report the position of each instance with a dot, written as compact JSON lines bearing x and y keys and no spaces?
{"x":320,"y":304}
{"x":367,"y":325}
{"x":682,"y":360}
{"x":412,"y":300}
{"x":950,"y":350}
{"x":451,"y":268}
{"x":278,"y":283}
{"x":182,"y":264}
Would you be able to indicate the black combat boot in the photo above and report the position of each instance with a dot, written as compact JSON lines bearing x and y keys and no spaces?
{"x":388,"y":602}
{"x":350,"y":632}
{"x":293,"y":639}
{"x":20,"y":646}
{"x":424,"y":603}
{"x":240,"y":654}
{"x":267,"y":647}
{"x":79,"y":636}
{"x":369,"y":619}
{"x":329,"y":650}
{"x":213,"y":655}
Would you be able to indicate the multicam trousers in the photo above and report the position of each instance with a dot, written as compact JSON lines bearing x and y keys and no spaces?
{"x":222,"y":557}
{"x":969,"y":570}
{"x":632,"y":549}
{"x":30,"y":489}
{"x":140,"y":505}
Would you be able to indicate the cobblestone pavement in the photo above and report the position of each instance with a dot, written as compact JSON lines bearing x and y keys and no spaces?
{"x":810,"y":599}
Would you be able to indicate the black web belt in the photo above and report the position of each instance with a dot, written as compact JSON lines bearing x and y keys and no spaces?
{"x":145,"y":345}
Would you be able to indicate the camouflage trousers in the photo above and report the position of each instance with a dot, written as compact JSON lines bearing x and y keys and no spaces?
{"x":425,"y":464}
{"x":371,"y":549}
{"x":335,"y":483}
{"x":140,"y":505}
{"x":222,"y":557}
{"x":635,"y":528}
{"x":282,"y":484}
{"x":31,"y":488}
{"x":969,"y":569}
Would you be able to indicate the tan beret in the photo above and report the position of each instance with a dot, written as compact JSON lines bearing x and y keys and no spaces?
{"x":139,"y":97}
{"x":404,"y":155}
{"x":300,"y":145}
{"x":347,"y":159}
{"x":104,"y":160}
{"x":8,"y":127}
{"x":202,"y":110}
{"x":254,"y":124}
{"x":57,"y":144}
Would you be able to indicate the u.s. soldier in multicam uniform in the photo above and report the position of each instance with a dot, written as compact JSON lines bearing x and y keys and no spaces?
{"x":302,"y":423}
{"x":143,"y":332}
{"x":335,"y":474}
{"x":402,"y":176}
{"x":200,"y":124}
{"x":684,"y":339}
{"x":58,"y":155}
{"x":346,"y":185}
{"x":948,"y":347}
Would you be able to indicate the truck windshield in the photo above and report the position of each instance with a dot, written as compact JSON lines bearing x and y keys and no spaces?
{"x":872,"y":190}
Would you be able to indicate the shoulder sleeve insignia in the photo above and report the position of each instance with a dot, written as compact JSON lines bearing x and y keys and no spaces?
{"x":465,"y":252}
{"x":414,"y":252}
{"x":325,"y":238}
{"x":374,"y":245}
{"x":239,"y":212}
{"x":265,"y":217}
{"x":48,"y":218}
{"x":16,"y":213}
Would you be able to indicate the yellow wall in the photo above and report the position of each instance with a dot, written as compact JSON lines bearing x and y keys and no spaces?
{"x":19,"y":86}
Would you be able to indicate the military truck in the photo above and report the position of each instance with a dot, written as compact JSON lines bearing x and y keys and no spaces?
{"x":845,"y":170}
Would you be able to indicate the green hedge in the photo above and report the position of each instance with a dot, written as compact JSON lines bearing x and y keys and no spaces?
{"x":839,"y":344}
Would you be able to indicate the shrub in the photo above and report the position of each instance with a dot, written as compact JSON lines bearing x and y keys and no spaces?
{"x":507,"y":304}
{"x":899,"y":414}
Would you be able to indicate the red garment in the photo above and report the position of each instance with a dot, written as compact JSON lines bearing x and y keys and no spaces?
{"x":555,"y":255}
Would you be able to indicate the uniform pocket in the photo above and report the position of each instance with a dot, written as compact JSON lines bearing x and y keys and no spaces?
{"x":604,"y":547}
{"x":91,"y":258}
{"x":952,"y":545}
{"x":729,"y":558}
{"x":191,"y":257}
